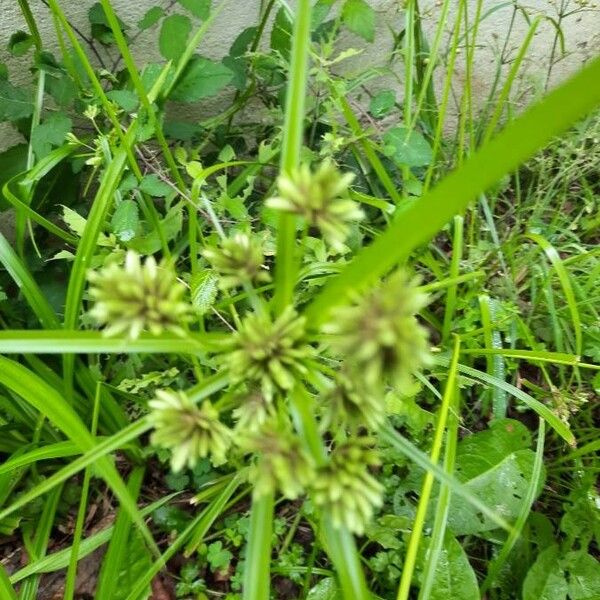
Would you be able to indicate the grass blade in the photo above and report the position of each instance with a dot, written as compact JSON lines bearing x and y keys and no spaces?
{"x":436,"y":448}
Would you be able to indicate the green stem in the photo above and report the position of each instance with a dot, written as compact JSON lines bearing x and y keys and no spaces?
{"x":286,"y":265}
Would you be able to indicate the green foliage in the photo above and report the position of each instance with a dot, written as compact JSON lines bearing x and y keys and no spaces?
{"x":287,"y":333}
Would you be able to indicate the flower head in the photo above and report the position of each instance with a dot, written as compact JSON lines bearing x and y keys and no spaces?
{"x":253,"y":411}
{"x":189,"y":431}
{"x":321,"y":197}
{"x":269,"y":353}
{"x":345,"y":488}
{"x":282,"y":463}
{"x":239,"y":260}
{"x":352,"y":405}
{"x":137,"y":297}
{"x":379,"y":336}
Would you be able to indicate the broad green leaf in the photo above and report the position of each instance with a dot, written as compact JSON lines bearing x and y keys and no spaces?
{"x":496,"y":466}
{"x":20,"y":42}
{"x":204,"y":289}
{"x":583,"y":575}
{"x":151,"y":17}
{"x":201,"y":78}
{"x":199,"y":8}
{"x":136,"y":561}
{"x":171,"y":227}
{"x":326,"y":589}
{"x":281,"y":34}
{"x":125,"y":220}
{"x":174,"y":34}
{"x":382,"y":103}
{"x":15,"y":102}
{"x":50,"y":133}
{"x":406,"y":148}
{"x":126,"y":99}
{"x":546,"y":579}
{"x":359,"y":18}
{"x":454,"y":576}
{"x":154,"y":186}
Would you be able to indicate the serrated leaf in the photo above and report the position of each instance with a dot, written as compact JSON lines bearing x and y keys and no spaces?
{"x":382,"y":103}
{"x":204,"y":288}
{"x":15,"y":102}
{"x":202,"y":78}
{"x":281,"y":34}
{"x":154,"y":186}
{"x":126,"y":99}
{"x":545,"y":579}
{"x":359,"y":18}
{"x":73,"y":220}
{"x":454,"y":576}
{"x":326,"y":589}
{"x":174,"y":33}
{"x":19,"y":43}
{"x":50,"y":133}
{"x":199,"y":8}
{"x":171,"y":227}
{"x":406,"y":148}
{"x":125,"y":220}
{"x":101,"y":29}
{"x":151,"y":17}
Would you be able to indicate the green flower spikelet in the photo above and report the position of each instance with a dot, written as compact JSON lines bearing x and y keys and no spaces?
{"x":379,"y":336}
{"x":239,"y":260}
{"x":345,"y":488}
{"x":138,"y":297}
{"x":189,"y":431}
{"x":269,"y":353}
{"x":352,"y":405}
{"x":282,"y":463}
{"x":321,"y":197}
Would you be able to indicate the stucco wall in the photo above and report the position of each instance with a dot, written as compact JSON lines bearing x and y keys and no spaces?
{"x":581,"y":35}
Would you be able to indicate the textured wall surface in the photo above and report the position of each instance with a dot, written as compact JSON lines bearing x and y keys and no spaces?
{"x":582,"y":37}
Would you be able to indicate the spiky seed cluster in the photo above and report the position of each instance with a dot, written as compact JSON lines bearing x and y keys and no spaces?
{"x":282,"y":463}
{"x":239,"y":260}
{"x":345,"y":488}
{"x":321,"y":197}
{"x":269,"y":353}
{"x":189,"y":431}
{"x":379,"y":336}
{"x":138,"y":297}
{"x":253,"y":411}
{"x":351,"y":404}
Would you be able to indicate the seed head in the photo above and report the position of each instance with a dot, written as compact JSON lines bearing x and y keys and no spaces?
{"x":379,"y":336}
{"x":189,"y":431}
{"x":282,"y":463}
{"x":239,"y":260}
{"x":345,"y":488}
{"x":138,"y":297}
{"x":321,"y":197}
{"x":269,"y":353}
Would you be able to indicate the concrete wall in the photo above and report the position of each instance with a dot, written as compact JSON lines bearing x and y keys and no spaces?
{"x":582,"y":36}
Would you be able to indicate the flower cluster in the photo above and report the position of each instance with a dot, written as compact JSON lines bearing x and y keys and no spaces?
{"x":138,"y":297}
{"x":379,"y":335}
{"x":345,"y":488}
{"x":282,"y":463}
{"x":269,"y":353}
{"x":191,"y":432}
{"x":239,"y":260}
{"x":321,"y":197}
